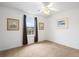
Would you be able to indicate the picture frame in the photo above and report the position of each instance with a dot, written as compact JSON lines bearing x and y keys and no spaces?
{"x":62,"y":23}
{"x":12,"y":24}
{"x":41,"y":26}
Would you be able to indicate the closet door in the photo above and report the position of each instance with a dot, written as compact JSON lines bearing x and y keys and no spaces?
{"x":25,"y":41}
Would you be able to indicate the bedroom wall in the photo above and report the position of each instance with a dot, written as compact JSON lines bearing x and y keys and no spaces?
{"x":42,"y":33}
{"x":68,"y":36}
{"x":12,"y":39}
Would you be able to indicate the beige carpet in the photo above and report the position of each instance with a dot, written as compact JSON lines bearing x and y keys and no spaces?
{"x":41,"y":49}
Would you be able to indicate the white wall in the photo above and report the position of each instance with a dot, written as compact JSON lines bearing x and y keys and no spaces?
{"x":69,"y":36}
{"x":12,"y":39}
{"x":42,"y":33}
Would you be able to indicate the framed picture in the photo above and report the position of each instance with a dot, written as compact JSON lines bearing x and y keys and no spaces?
{"x":12,"y":24}
{"x":62,"y":23}
{"x":41,"y":26}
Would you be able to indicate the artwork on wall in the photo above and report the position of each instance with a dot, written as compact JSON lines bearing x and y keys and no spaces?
{"x":62,"y":23}
{"x":41,"y":26}
{"x":12,"y":24}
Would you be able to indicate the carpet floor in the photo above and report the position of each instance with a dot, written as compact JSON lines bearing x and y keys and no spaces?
{"x":41,"y":49}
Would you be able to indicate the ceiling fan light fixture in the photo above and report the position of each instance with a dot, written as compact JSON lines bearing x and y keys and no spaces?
{"x":46,"y":10}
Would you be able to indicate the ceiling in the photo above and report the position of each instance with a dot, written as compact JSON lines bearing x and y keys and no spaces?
{"x":30,"y":7}
{"x":36,"y":7}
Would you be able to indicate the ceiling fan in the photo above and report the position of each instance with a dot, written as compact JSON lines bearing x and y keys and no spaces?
{"x":48,"y":8}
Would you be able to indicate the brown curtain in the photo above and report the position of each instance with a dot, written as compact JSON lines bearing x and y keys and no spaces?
{"x":36,"y":31}
{"x":25,"y":41}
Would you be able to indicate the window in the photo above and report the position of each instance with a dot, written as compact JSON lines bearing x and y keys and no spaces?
{"x":30,"y":30}
{"x":30,"y":25}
